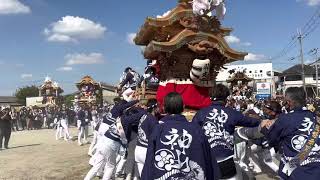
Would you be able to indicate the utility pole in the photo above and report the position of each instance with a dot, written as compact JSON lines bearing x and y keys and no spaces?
{"x":317,"y":73}
{"x":315,"y":51}
{"x":302,"y":60}
{"x":317,"y":78}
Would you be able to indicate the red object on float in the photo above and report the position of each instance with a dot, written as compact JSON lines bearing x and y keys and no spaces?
{"x":194,"y":97}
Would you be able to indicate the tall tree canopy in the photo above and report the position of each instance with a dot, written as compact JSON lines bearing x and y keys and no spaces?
{"x":68,"y":100}
{"x":27,"y":91}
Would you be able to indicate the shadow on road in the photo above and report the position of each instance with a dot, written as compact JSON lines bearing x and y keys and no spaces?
{"x":30,"y":145}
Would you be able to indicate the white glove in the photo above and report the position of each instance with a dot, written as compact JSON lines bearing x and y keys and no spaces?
{"x":78,"y":123}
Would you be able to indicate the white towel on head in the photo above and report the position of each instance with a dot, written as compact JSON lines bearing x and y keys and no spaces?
{"x":221,"y":10}
{"x":199,"y":6}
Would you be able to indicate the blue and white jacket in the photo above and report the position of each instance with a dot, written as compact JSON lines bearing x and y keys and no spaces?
{"x":129,"y":81}
{"x":290,"y":132}
{"x":62,"y":115}
{"x":178,"y":150}
{"x":108,"y":119}
{"x":218,"y":124}
{"x":84,"y":117}
{"x":117,"y":111}
{"x":128,"y":122}
{"x":146,"y":125}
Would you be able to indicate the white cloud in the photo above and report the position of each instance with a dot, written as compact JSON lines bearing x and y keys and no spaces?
{"x":309,"y":61}
{"x":13,"y":7}
{"x":77,"y":58}
{"x":130,"y":38}
{"x":26,"y":76}
{"x":73,"y":29}
{"x":164,"y":14}
{"x":235,"y":40}
{"x":65,"y":68}
{"x":232,"y":39}
{"x":246,"y":44}
{"x":60,"y":38}
{"x":311,"y":2}
{"x":254,"y":57}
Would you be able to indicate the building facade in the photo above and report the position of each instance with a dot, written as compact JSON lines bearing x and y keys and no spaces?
{"x":108,"y":92}
{"x":260,"y":73}
{"x":292,"y":77}
{"x":9,"y":101}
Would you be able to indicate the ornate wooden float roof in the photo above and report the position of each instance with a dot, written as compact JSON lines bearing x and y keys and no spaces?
{"x":239,"y":76}
{"x":87,"y":80}
{"x":188,"y":37}
{"x":49,"y":84}
{"x":181,"y":27}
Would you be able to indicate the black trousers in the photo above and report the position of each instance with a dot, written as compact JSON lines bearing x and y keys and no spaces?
{"x":23,"y":123}
{"x":5,"y":133}
{"x":227,"y":169}
{"x":14,"y":125}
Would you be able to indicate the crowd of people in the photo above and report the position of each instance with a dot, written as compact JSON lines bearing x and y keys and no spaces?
{"x":220,"y":137}
{"x":171,"y":147}
{"x":50,"y":117}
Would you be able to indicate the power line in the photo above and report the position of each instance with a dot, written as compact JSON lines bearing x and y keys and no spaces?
{"x":289,"y":47}
{"x":292,"y":58}
{"x":311,"y":25}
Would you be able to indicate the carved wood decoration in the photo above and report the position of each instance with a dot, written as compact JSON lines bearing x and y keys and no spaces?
{"x":180,"y":37}
{"x":239,"y":76}
{"x":89,"y":90}
{"x":50,"y":88}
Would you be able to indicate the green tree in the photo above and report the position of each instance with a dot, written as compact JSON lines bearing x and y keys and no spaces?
{"x":68,"y":99}
{"x":27,"y":91}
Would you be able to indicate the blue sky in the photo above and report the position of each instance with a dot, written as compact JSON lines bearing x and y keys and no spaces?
{"x":42,"y":37}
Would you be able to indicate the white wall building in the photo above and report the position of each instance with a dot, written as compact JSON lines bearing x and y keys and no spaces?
{"x":261,"y":72}
{"x":108,"y":92}
{"x":292,"y":78}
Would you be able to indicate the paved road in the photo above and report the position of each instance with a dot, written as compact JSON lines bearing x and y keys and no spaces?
{"x":36,"y":155}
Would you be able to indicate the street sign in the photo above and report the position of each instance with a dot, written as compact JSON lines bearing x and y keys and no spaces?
{"x":263,"y":96}
{"x":264,"y":88}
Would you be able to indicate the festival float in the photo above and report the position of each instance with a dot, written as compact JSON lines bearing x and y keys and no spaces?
{"x":239,"y":84}
{"x":50,"y":91}
{"x":239,"y":78}
{"x":188,"y":46}
{"x":89,"y":91}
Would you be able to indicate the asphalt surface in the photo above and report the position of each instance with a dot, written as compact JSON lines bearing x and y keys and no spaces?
{"x":37,"y":155}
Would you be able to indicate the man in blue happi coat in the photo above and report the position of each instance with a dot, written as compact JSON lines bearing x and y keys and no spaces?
{"x":218,"y":123}
{"x":177,"y":150}
{"x":291,"y":132}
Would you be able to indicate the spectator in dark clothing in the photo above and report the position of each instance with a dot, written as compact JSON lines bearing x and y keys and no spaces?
{"x":23,"y":117}
{"x":14,"y":120}
{"x":29,"y":119}
{"x":5,"y":127}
